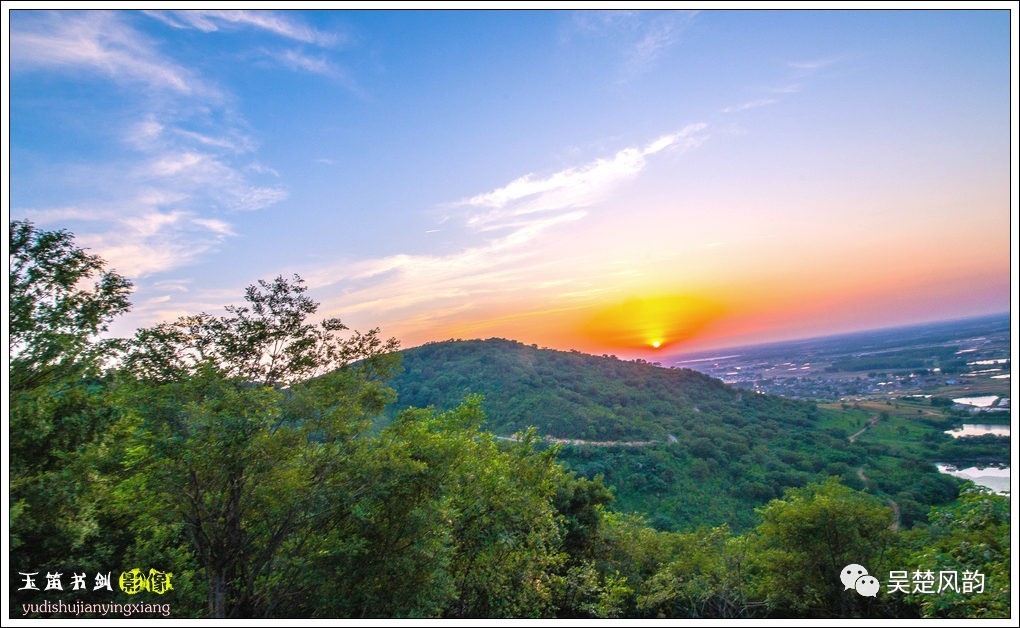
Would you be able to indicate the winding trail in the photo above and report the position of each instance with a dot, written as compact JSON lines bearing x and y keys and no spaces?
{"x":872,"y":421}
{"x":593,"y":443}
{"x":895,"y":525}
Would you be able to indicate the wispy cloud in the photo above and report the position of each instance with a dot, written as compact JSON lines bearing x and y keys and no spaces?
{"x":186,"y":164}
{"x":754,"y":104}
{"x":317,"y":63}
{"x":259,"y":168}
{"x":195,"y":173}
{"x":791,"y":88}
{"x":238,"y":143}
{"x":661,"y":34}
{"x":100,"y":42}
{"x":296,"y":60}
{"x":811,"y":65}
{"x":137,"y":238}
{"x":273,"y":22}
{"x":185,"y":150}
{"x":642,"y":37}
{"x":393,"y":285}
{"x":797,"y":72}
{"x":574,"y":187}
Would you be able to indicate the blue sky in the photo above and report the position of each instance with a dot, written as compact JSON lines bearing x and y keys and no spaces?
{"x":759,"y":174}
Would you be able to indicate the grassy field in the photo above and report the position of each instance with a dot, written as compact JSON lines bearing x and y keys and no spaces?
{"x":899,"y":438}
{"x":901,"y":424}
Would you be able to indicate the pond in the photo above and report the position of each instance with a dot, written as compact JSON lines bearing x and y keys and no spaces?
{"x":994,"y":478}
{"x":979,"y":429}
{"x":978,"y":402}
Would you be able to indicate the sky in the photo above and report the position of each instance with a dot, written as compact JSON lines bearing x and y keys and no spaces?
{"x":612,"y":182}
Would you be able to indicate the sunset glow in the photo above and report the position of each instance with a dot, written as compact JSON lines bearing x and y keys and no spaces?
{"x":655,"y":321}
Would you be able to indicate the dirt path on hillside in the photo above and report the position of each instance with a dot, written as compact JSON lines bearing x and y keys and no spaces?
{"x":872,"y":421}
{"x":896,"y":515}
{"x":593,"y":443}
{"x":602,"y":443}
{"x":895,"y":525}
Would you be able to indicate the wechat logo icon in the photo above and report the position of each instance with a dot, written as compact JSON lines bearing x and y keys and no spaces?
{"x":856,"y":577}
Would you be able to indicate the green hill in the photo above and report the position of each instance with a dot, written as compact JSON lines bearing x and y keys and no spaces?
{"x":678,"y":445}
{"x":563,"y":394}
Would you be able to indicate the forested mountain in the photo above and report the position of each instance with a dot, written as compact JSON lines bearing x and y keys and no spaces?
{"x":563,"y":394}
{"x":678,"y":445}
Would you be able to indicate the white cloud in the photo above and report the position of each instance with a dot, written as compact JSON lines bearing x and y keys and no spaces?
{"x":274,"y":22}
{"x":803,"y":69}
{"x":797,"y":71}
{"x":174,"y":163}
{"x":144,"y":134}
{"x":237,"y":144}
{"x":251,"y":198}
{"x":642,"y":37}
{"x":98,"y":41}
{"x":657,"y":38}
{"x":296,"y":60}
{"x":574,"y":187}
{"x":152,"y":226}
{"x":138,"y":238}
{"x":172,"y":285}
{"x":262,"y":169}
{"x":186,"y":166}
{"x":299,"y":61}
{"x":754,"y":104}
{"x":393,"y":284}
{"x":219,"y":227}
{"x":810,"y":66}
{"x":598,"y":22}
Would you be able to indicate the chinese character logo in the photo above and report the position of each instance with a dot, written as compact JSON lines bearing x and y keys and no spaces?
{"x":159,"y":582}
{"x":925,"y":583}
{"x":856,"y":577}
{"x":134,"y":581}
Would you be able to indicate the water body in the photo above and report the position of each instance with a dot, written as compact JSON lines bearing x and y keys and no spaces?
{"x":990,"y":477}
{"x":979,"y":429}
{"x":980,"y":402}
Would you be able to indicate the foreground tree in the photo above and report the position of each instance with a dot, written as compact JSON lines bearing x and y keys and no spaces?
{"x":241,"y":427}
{"x":468,"y":525}
{"x":806,"y":538}
{"x":971,"y":538}
{"x":61,"y":299}
{"x":708,"y":578}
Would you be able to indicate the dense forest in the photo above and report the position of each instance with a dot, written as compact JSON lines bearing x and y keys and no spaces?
{"x":680,"y":446}
{"x":242,"y":455}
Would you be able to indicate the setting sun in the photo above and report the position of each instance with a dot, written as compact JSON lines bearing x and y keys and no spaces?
{"x":653,"y":322}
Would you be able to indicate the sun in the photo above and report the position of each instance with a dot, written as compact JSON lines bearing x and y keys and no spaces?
{"x":649,"y":324}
